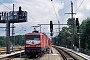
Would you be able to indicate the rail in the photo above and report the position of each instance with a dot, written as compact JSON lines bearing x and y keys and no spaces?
{"x":65,"y":55}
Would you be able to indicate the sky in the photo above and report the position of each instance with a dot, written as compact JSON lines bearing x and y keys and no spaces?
{"x":43,"y":11}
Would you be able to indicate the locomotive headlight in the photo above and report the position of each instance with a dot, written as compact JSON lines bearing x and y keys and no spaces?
{"x":26,"y":46}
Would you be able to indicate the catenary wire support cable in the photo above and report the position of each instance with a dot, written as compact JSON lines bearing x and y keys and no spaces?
{"x":56,"y":16}
{"x":54,"y":10}
{"x":5,"y":6}
{"x":80,"y":5}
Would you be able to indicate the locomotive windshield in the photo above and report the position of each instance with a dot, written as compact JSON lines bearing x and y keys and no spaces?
{"x":33,"y":37}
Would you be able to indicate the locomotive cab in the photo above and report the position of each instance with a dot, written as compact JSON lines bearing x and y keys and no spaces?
{"x":36,"y":43}
{"x":32,"y":45}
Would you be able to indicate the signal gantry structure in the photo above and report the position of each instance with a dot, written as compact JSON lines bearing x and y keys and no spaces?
{"x":12,"y":17}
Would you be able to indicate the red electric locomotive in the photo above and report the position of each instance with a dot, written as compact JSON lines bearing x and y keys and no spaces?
{"x":36,"y":43}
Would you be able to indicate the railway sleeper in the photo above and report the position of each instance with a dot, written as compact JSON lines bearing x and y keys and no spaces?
{"x":65,"y":54}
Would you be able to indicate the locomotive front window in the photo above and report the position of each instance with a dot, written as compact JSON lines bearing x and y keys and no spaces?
{"x":32,"y":37}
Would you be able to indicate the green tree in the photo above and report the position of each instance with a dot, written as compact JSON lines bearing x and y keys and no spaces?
{"x":19,"y":40}
{"x":65,"y":35}
{"x":85,"y":36}
{"x":2,"y":41}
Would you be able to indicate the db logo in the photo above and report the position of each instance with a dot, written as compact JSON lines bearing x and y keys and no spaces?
{"x":32,"y":42}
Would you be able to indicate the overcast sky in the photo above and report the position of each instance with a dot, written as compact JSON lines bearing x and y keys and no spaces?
{"x":42,"y":11}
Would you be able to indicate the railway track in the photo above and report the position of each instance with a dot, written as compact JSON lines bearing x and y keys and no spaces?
{"x":11,"y":57}
{"x":20,"y":56}
{"x":4,"y":50}
{"x":66,"y":55}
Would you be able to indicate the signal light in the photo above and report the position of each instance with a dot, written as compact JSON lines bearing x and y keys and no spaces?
{"x":20,"y":9}
{"x":77,"y":23}
{"x":51,"y":34}
{"x":0,"y":17}
{"x":51,"y":26}
{"x":19,"y":12}
{"x":2,"y":13}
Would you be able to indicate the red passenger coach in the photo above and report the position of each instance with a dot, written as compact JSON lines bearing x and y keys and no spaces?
{"x":36,"y":43}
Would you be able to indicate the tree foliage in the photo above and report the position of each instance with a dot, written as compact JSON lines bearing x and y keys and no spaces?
{"x":2,"y":41}
{"x":19,"y":40}
{"x":65,"y":35}
{"x":85,"y":36}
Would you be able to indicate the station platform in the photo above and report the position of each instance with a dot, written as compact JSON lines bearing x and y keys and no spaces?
{"x":52,"y":56}
{"x":13,"y":53}
{"x":86,"y":57}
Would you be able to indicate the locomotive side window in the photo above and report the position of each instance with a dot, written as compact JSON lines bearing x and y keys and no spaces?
{"x":32,"y":37}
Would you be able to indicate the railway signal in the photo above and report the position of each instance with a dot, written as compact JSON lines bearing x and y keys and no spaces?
{"x":12,"y":17}
{"x":51,"y":34}
{"x":19,"y":12}
{"x":78,"y":33}
{"x":77,"y":25}
{"x":51,"y":28}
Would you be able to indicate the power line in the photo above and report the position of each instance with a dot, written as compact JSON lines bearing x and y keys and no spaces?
{"x":80,"y":5}
{"x":50,"y":16}
{"x":22,"y":8}
{"x":6,"y":6}
{"x":54,"y":10}
{"x":6,"y":1}
{"x":65,"y":9}
{"x":15,"y":1}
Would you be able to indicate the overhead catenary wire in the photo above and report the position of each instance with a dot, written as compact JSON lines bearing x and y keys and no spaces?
{"x":80,"y":5}
{"x":22,"y":8}
{"x":63,"y":10}
{"x":6,"y":1}
{"x":66,"y":8}
{"x":50,"y":16}
{"x":5,"y":6}
{"x":15,"y":1}
{"x":54,"y":10}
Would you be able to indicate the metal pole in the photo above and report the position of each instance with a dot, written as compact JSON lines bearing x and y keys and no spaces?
{"x":59,"y":32}
{"x":59,"y":25}
{"x":79,"y":43}
{"x":7,"y":36}
{"x":13,"y":40}
{"x":40,"y":28}
{"x":72,"y":42}
{"x":13,"y":32}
